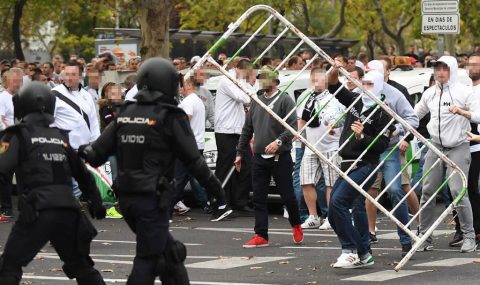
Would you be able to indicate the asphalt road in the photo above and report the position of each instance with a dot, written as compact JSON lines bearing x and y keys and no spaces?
{"x":216,"y":256}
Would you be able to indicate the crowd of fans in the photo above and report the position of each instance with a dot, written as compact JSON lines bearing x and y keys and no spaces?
{"x":313,"y":193}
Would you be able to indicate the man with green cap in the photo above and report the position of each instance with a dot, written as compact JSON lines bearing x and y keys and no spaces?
{"x":271,"y":148}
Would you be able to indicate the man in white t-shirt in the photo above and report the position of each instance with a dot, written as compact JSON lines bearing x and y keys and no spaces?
{"x":322,"y":110}
{"x":195,"y":110}
{"x":230,"y":104}
{"x":14,"y":81}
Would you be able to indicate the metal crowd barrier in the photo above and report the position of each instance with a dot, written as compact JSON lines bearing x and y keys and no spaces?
{"x":395,"y":119}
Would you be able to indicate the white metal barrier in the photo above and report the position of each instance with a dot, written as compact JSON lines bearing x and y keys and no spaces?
{"x":289,"y":27}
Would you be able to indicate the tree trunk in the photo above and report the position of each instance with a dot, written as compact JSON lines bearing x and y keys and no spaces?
{"x":400,"y":44}
{"x":17,"y":15}
{"x":154,"y":16}
{"x":341,"y":21}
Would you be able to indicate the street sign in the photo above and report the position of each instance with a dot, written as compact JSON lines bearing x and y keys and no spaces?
{"x":440,"y":7}
{"x":440,"y":24}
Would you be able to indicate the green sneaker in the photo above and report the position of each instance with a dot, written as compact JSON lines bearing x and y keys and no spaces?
{"x":364,"y":261}
{"x":112,"y":213}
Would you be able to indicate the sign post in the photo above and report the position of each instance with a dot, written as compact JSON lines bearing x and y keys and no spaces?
{"x":440,"y":17}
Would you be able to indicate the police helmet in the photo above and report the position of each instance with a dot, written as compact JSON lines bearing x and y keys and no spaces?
{"x":158,"y":74}
{"x":35,"y":97}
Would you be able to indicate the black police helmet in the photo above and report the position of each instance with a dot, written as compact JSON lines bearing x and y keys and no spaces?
{"x":35,"y":97}
{"x":158,"y":74}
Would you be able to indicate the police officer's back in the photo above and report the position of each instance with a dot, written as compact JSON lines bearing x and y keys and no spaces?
{"x":44,"y":165}
{"x":147,"y":137}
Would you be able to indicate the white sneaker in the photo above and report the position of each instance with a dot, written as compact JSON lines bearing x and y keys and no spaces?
{"x":312,"y":222}
{"x":181,"y":208}
{"x":285,"y":213}
{"x":325,"y":226}
{"x":346,"y":260}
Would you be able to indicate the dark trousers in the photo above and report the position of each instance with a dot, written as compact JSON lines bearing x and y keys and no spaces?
{"x":60,"y":226}
{"x":281,"y":170}
{"x":473,"y":192}
{"x":182,"y":177}
{"x":6,"y":194}
{"x":238,"y":188}
{"x":150,"y":224}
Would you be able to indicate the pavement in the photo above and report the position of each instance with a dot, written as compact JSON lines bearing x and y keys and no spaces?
{"x":216,"y":256}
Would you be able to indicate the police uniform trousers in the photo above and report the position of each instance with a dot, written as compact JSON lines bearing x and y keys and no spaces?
{"x":61,"y":228}
{"x":150,"y":224}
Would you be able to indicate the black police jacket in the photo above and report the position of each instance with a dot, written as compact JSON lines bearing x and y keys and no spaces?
{"x":147,"y":137}
{"x":44,"y":164}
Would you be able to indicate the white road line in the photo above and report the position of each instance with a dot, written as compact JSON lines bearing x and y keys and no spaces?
{"x":394,"y":235}
{"x":233,"y":262}
{"x":128,"y":255}
{"x":270,"y":232}
{"x":55,"y":278}
{"x":384,"y":275}
{"x":449,"y":262}
{"x":134,"y":242}
{"x":373,"y":248}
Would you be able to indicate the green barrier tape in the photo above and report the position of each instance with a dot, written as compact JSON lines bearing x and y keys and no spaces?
{"x":217,"y":45}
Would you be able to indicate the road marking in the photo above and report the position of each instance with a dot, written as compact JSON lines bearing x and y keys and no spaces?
{"x":449,"y":262}
{"x":134,"y":242}
{"x":394,"y":235}
{"x":270,"y":232}
{"x":55,"y":278}
{"x":128,"y":255}
{"x":233,"y":262}
{"x":373,"y":248}
{"x":384,"y":275}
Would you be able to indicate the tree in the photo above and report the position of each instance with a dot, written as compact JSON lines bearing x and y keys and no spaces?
{"x":403,"y":14}
{"x":17,"y":15}
{"x":154,"y":18}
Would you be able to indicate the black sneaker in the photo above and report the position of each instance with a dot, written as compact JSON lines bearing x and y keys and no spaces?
{"x":373,"y":238}
{"x":8,"y":213}
{"x":406,"y":249}
{"x":220,"y":214}
{"x":457,"y":240}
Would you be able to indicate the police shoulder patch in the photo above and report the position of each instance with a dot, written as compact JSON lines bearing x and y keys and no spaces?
{"x":4,"y":147}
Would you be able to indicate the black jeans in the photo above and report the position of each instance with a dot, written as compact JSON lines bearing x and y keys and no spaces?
{"x":59,"y":226}
{"x":238,"y":188}
{"x":281,"y":170}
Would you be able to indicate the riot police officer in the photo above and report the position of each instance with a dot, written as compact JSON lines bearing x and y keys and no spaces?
{"x":147,"y":137}
{"x":44,"y":164}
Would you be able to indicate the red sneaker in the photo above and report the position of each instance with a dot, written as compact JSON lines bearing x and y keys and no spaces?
{"x":256,"y":241}
{"x":4,"y":219}
{"x":297,"y":234}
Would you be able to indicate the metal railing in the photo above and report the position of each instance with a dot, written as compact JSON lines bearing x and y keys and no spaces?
{"x":395,"y":118}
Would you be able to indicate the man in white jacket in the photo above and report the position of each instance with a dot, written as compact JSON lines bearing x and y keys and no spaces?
{"x":75,"y":111}
{"x":230,"y":105}
{"x":452,"y":106}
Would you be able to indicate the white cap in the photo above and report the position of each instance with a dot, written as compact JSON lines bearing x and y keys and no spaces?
{"x":195,"y":59}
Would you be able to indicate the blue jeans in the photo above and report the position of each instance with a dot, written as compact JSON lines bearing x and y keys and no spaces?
{"x":319,"y":187}
{"x":390,"y":169}
{"x":297,"y":188}
{"x":182,"y":177}
{"x":342,"y":199}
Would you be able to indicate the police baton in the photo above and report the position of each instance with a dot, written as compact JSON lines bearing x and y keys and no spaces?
{"x":228,"y":176}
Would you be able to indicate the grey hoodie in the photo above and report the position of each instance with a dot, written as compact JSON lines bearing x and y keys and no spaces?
{"x":445,"y":128}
